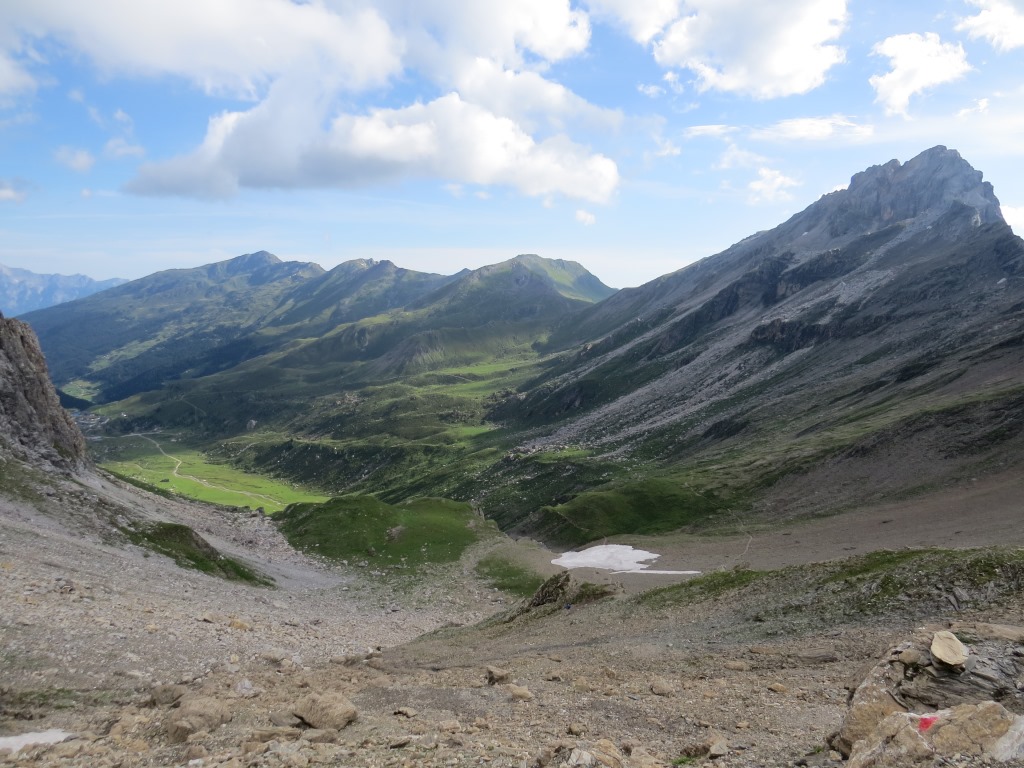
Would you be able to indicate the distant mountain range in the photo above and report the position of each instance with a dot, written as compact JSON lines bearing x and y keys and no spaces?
{"x":870,"y":347}
{"x":22,"y":291}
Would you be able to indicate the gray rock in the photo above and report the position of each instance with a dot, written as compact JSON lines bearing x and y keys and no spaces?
{"x":328,"y":710}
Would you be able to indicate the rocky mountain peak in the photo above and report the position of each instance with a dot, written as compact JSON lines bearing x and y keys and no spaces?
{"x":933,"y":179}
{"x":33,"y":425}
{"x":928,"y":184}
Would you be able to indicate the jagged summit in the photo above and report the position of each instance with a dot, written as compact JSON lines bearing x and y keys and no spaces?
{"x":923,"y":189}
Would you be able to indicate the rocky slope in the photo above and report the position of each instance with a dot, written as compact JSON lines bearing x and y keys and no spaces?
{"x":33,"y":425}
{"x":884,"y":320}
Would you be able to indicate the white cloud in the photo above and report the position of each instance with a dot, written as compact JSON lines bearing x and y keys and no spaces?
{"x":13,"y":191}
{"x":713,"y":131}
{"x":586,"y":218}
{"x":672,"y":80}
{"x":1014,"y":216}
{"x":235,"y":47}
{"x":79,"y":160}
{"x":814,"y":129}
{"x":14,"y":78}
{"x":119,"y":147}
{"x":300,"y":62}
{"x":770,"y":186}
{"x":643,"y":19}
{"x":666,"y":148}
{"x":124,"y":120}
{"x":755,"y":48}
{"x":1000,"y":22}
{"x":734,"y":157}
{"x":526,"y":96}
{"x":918,"y":62}
{"x":447,"y":138}
{"x":980,"y":108}
{"x":651,"y":91}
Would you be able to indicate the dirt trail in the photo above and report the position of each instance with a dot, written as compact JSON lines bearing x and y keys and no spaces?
{"x":177,"y":467}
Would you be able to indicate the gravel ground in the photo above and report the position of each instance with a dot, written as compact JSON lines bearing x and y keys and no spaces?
{"x":114,"y":645}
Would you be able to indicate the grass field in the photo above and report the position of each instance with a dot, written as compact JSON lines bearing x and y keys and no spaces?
{"x":408,"y":535}
{"x":176,"y":468}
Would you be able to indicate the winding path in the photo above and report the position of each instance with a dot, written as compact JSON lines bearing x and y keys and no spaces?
{"x":176,"y":473}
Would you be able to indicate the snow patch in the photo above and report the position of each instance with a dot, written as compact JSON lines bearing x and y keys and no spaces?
{"x":14,"y":743}
{"x":620,"y":558}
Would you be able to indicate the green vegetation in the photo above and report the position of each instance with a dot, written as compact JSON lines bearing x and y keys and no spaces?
{"x":190,"y":550}
{"x":177,"y":469}
{"x":910,"y":581}
{"x":508,"y":576}
{"x":648,"y":507}
{"x":706,"y":587}
{"x":363,"y":528}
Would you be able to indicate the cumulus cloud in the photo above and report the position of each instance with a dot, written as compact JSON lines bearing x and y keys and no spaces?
{"x":753,"y":48}
{"x":814,"y":129}
{"x":770,"y":186}
{"x":918,"y":62}
{"x":447,"y":138}
{"x":486,"y":110}
{"x":643,"y":19}
{"x":526,"y":97}
{"x":1000,"y":22}
{"x":237,"y":48}
{"x":13,"y":190}
{"x":78,"y":160}
{"x":586,"y":218}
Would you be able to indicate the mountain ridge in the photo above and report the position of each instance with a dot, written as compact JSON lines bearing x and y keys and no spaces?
{"x":22,"y":290}
{"x":887,"y":316}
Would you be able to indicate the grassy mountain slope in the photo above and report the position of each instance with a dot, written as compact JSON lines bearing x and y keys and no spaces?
{"x":867,"y":349}
{"x":132,"y":337}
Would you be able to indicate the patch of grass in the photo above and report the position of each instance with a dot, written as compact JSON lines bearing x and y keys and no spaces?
{"x":190,"y":550}
{"x":648,"y":507}
{"x":160,"y":466}
{"x":700,"y":588}
{"x":358,"y":528}
{"x":588,"y":592}
{"x":508,"y":576}
{"x":880,"y":561}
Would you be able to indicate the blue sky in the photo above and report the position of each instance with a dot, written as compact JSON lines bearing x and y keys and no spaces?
{"x":632,"y":136}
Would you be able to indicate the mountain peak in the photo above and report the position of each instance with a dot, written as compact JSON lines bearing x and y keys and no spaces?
{"x":932,"y":180}
{"x":251,"y":261}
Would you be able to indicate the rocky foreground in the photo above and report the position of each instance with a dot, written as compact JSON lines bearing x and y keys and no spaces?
{"x":136,"y":662}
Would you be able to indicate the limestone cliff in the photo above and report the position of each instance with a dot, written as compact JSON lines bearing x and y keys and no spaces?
{"x":33,"y":425}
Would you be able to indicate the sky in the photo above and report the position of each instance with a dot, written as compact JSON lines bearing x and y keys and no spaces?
{"x":632,"y":136}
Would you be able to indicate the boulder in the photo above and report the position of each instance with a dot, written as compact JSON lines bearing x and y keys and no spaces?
{"x":947,"y":648}
{"x":327,"y":710}
{"x":936,"y":670}
{"x":497,"y":675}
{"x":987,"y":732}
{"x":203,"y":713}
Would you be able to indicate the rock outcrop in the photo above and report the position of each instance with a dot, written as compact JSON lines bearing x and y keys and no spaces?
{"x":934,"y":695}
{"x":33,"y":425}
